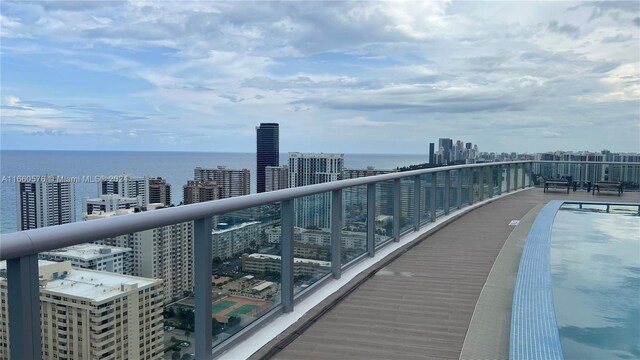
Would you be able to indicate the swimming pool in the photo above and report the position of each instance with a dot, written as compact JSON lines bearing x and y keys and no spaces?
{"x":595,"y":278}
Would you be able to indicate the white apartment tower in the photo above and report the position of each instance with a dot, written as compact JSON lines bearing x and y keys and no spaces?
{"x":309,"y":169}
{"x":163,"y":253}
{"x":88,"y":314}
{"x":276,"y":177}
{"x":45,"y":201}
{"x":126,"y":186}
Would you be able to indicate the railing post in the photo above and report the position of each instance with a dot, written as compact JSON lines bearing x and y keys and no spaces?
{"x":481,"y":183}
{"x":515,"y":177}
{"x":490,"y":180}
{"x":447,"y":191}
{"x":416,"y":202}
{"x":24,"y":307}
{"x":286,"y":255}
{"x":508,"y":177}
{"x":500,"y":171}
{"x":202,"y":262}
{"x":371,"y":219}
{"x":459,"y":189}
{"x":524,"y":174}
{"x":470,"y":190}
{"x":397,"y":212}
{"x":434,"y":184}
{"x":336,"y":233}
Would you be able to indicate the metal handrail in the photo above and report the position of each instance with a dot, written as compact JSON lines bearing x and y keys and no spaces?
{"x":29,"y":242}
{"x":585,"y":162}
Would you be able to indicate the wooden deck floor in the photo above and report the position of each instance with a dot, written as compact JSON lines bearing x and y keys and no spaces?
{"x":420,"y":305}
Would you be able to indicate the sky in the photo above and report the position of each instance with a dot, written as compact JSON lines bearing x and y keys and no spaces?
{"x":352,"y":77}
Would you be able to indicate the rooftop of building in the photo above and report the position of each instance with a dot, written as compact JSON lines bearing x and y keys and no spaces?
{"x":62,"y":279}
{"x":88,"y":251}
{"x":105,"y":197}
{"x":102,"y":214}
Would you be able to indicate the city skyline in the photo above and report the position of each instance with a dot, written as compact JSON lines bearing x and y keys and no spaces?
{"x":350,"y":77}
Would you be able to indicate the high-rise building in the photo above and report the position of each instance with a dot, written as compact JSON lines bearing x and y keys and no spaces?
{"x":309,"y":169}
{"x":314,"y":168}
{"x":161,"y":253}
{"x":267,"y":152}
{"x":432,"y":154}
{"x":159,"y":191}
{"x":45,"y":201}
{"x":445,"y":146}
{"x":355,"y":197}
{"x":126,"y":186}
{"x":199,"y":191}
{"x":277,"y":177}
{"x":232,"y":182}
{"x":88,"y":314}
{"x":93,"y":257}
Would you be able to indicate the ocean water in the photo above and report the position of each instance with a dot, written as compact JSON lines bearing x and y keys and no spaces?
{"x":175,"y":167}
{"x":595,"y":272}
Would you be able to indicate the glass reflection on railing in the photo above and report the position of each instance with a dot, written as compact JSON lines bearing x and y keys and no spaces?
{"x":407,"y":203}
{"x":354,"y":222}
{"x":245,"y":268}
{"x":440,"y":193}
{"x":454,"y":176}
{"x":475,"y":178}
{"x":384,"y":212}
{"x":312,"y":239}
{"x":466,"y":185}
{"x":425,"y":194}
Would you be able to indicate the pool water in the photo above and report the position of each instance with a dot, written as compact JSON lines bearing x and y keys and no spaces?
{"x":595,"y":275}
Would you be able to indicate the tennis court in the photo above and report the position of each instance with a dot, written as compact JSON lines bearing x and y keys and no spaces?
{"x":221,"y":306}
{"x":244,"y":309}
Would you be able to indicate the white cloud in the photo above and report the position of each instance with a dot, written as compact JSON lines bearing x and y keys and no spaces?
{"x":360,"y":121}
{"x":220,"y":67}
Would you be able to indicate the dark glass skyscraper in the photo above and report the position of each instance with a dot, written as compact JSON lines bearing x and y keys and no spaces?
{"x":267,"y":151}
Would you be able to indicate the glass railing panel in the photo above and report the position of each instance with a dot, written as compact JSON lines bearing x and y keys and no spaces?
{"x":425,"y":201}
{"x":312,"y":239}
{"x":246,"y":264}
{"x":486,"y":181}
{"x":475,"y":183}
{"x":407,"y":203}
{"x":527,"y":176}
{"x":384,"y":212}
{"x":513,"y":172}
{"x":454,"y":179}
{"x":440,"y":193}
{"x":496,"y":170}
{"x":466,"y":183}
{"x":519,"y":174}
{"x":354,"y":222}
